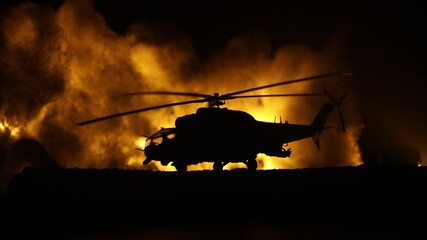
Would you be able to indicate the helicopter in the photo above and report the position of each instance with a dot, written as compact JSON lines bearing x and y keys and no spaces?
{"x":221,"y":136}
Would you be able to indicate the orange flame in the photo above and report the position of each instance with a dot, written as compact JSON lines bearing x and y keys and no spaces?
{"x":7,"y":129}
{"x":97,"y":66}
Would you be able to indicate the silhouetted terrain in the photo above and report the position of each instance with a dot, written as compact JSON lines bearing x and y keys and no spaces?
{"x":350,"y":202}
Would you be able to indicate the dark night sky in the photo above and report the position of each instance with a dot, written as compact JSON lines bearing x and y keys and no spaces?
{"x":386,"y":47}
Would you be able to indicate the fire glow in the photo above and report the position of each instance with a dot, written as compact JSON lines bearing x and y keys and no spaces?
{"x":87,"y":68}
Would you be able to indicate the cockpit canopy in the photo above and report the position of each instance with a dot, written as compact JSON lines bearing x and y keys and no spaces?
{"x":159,"y":136}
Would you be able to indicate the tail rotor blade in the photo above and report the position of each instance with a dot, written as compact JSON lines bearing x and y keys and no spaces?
{"x":342,"y":98}
{"x":338,"y":105}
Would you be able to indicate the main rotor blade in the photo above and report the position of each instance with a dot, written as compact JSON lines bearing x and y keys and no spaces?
{"x":137,"y":111}
{"x":228,"y":95}
{"x":190,"y":94}
{"x":279,"y":95}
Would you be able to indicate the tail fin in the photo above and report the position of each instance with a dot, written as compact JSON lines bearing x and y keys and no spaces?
{"x":319,"y":121}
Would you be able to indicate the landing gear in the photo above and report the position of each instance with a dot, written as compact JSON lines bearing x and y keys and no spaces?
{"x":180,"y":167}
{"x":218,"y":166}
{"x":252,"y":164}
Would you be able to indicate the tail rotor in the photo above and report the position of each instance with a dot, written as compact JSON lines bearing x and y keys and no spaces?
{"x":338,"y":104}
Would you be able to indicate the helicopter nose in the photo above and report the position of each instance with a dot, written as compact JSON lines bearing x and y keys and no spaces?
{"x":149,"y":150}
{"x":147,"y":161}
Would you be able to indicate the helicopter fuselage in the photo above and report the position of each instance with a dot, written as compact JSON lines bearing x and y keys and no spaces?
{"x":222,"y":136}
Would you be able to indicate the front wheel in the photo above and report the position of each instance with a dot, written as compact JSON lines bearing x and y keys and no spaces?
{"x":252,"y":164}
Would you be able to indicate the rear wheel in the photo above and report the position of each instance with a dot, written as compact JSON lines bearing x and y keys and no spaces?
{"x":218,"y":166}
{"x":180,"y":167}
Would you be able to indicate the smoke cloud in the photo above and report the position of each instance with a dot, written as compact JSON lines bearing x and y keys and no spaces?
{"x":61,"y":66}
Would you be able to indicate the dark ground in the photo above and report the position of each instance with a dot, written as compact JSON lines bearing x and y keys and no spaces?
{"x":375,"y":202}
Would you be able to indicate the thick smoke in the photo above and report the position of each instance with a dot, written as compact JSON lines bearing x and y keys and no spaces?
{"x":31,"y":76}
{"x":62,"y":66}
{"x":32,"y":73}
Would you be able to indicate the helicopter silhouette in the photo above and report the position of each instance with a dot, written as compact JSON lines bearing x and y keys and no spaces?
{"x":221,"y":135}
